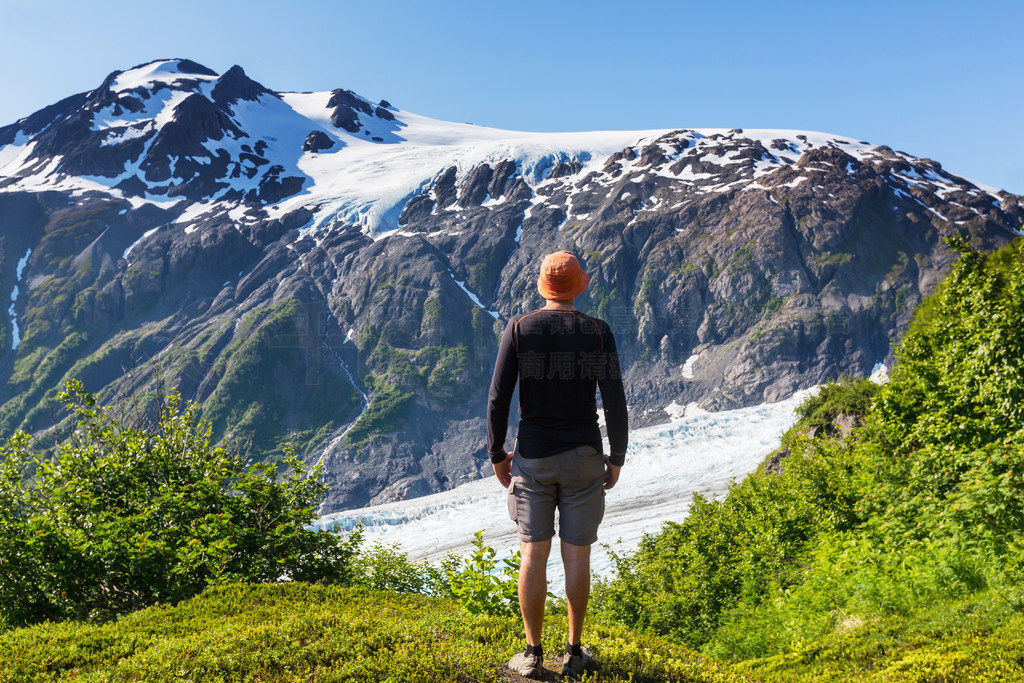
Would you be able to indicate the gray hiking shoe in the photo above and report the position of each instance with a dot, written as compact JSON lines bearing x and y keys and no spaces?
{"x":529,"y":666}
{"x":574,"y":665}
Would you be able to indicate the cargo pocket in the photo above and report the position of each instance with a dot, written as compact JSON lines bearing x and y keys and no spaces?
{"x":513,"y":502}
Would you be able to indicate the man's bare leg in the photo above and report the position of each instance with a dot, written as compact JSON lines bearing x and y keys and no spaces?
{"x":576,"y":560}
{"x":533,"y":587}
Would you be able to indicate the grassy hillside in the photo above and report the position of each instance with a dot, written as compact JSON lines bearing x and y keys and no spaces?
{"x":892,"y":550}
{"x":301,"y":632}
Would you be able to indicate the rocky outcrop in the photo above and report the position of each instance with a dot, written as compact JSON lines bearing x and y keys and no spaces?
{"x":317,"y":141}
{"x":234,"y":85}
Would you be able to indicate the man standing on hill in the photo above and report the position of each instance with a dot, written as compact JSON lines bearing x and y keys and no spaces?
{"x":560,"y":357}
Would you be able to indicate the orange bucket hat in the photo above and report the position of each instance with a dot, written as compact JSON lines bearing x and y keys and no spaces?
{"x":561,"y":277}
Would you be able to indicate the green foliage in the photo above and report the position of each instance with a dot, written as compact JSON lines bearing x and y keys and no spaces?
{"x":297,"y":632}
{"x":479,"y":583}
{"x":606,"y":304}
{"x":949,"y":428}
{"x":387,"y":405}
{"x":254,"y":404}
{"x":386,"y":568}
{"x":972,"y":639}
{"x":849,"y":396}
{"x":448,"y":369}
{"x":772,"y":306}
{"x":123,"y":516}
{"x":482,"y":585}
{"x":393,"y":362}
{"x":397,"y":374}
{"x":738,"y":549}
{"x":847,"y":564}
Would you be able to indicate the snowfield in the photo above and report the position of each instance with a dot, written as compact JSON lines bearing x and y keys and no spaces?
{"x":666,"y":464}
{"x":366,"y":178}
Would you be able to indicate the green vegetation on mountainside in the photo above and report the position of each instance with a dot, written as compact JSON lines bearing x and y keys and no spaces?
{"x":396,"y":375}
{"x":253,"y":405}
{"x":894,"y":552}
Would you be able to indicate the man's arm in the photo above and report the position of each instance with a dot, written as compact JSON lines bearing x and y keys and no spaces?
{"x":613,"y":398}
{"x":503,"y":384}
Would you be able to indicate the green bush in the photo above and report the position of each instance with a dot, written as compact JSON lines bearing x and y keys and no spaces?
{"x":734,"y":550}
{"x":120,"y":517}
{"x":860,"y":543}
{"x":480,"y":583}
{"x":948,"y":460}
{"x":382,"y":567}
{"x":849,"y":396}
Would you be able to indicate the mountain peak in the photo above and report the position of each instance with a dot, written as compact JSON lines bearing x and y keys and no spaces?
{"x":234,"y":85}
{"x":169,"y":72}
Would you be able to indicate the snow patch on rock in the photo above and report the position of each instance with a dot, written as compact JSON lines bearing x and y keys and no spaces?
{"x":688,"y":366}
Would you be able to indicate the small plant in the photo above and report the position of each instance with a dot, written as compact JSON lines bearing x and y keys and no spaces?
{"x":481,"y":584}
{"x":384,"y":567}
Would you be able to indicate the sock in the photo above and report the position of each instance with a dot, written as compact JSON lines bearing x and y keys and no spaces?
{"x":574,"y":650}
{"x":535,"y":650}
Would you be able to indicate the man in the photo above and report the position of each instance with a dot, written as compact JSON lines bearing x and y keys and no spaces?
{"x":559,"y":356}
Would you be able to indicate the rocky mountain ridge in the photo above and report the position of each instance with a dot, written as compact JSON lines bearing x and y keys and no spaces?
{"x":321,"y":269}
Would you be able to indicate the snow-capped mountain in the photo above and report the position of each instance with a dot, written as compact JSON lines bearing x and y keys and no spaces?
{"x":325,"y":270}
{"x":173,"y":132}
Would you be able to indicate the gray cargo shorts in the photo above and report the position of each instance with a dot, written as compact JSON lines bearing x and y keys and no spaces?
{"x":572,"y":482}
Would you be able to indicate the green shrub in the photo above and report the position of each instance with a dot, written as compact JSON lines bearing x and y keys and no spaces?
{"x":849,"y":396}
{"x":864,"y":540}
{"x":949,"y":428}
{"x":121,"y":517}
{"x":735,"y":550}
{"x":382,"y":567}
{"x":480,"y":584}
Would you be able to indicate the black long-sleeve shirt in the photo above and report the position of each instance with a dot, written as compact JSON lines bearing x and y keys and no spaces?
{"x":559,"y":358}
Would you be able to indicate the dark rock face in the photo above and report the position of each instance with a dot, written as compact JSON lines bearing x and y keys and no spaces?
{"x":234,"y":85}
{"x":37,"y":122}
{"x":189,"y":67}
{"x":353,"y":114}
{"x":196,"y":121}
{"x":317,"y":141}
{"x":732,"y":270}
{"x":347,"y":106}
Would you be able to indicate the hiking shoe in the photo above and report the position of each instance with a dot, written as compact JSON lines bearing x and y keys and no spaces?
{"x":529,"y":666}
{"x":575,"y":665}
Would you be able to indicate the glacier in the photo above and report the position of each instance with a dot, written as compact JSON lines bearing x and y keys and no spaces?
{"x":666,"y":465}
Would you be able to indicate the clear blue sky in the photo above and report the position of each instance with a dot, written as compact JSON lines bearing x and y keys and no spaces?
{"x":938,"y":79}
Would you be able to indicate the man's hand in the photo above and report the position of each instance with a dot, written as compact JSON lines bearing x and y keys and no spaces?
{"x":611,"y":474}
{"x":503,"y":470}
